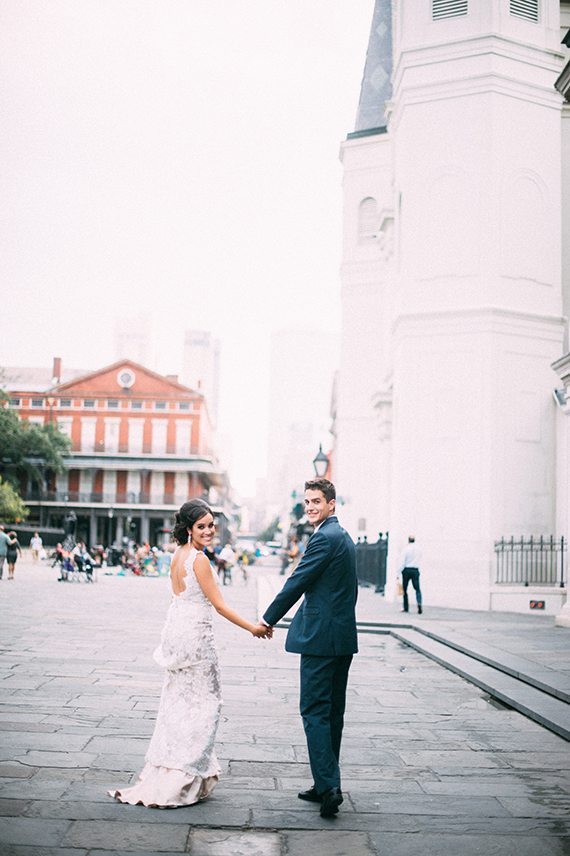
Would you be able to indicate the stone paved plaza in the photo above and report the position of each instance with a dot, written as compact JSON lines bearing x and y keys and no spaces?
{"x":431,"y":765}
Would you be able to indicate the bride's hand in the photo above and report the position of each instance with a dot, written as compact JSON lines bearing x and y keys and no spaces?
{"x":262,"y":631}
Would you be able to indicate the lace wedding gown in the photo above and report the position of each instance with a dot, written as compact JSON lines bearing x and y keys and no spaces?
{"x":181,"y":765}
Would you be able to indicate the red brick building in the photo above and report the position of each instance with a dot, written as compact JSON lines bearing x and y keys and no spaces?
{"x":140,"y":446}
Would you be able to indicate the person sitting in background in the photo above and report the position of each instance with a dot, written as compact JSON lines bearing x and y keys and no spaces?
{"x":83,"y":560}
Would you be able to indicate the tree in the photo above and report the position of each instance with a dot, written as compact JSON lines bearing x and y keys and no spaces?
{"x":12,"y":509}
{"x":29,"y":451}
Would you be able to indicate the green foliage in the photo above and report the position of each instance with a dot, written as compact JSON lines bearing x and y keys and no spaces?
{"x":12,"y":509}
{"x":270,"y":532}
{"x":29,"y":450}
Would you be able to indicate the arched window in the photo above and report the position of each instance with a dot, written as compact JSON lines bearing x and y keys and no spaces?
{"x":367,"y":220}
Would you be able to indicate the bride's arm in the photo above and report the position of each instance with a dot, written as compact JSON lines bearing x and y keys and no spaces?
{"x":210,"y":588}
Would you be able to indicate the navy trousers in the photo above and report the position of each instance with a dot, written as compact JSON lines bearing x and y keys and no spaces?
{"x":411,"y":575}
{"x":323,"y":700}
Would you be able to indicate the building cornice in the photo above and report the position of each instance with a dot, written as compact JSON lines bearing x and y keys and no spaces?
{"x":131,"y":462}
{"x":130,"y":507}
{"x":466,"y":48}
{"x":499,"y":312}
{"x":562,"y":84}
{"x":562,"y":369}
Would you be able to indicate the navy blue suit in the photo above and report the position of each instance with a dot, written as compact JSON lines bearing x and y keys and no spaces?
{"x":323,"y":631}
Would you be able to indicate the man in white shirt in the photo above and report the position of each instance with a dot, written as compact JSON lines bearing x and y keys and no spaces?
{"x":410,"y":570}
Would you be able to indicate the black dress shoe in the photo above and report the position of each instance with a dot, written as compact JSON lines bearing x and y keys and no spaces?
{"x":420,"y":610}
{"x":330,"y":802}
{"x":310,"y":796}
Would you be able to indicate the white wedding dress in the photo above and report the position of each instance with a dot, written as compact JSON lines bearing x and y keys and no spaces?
{"x":181,"y":765}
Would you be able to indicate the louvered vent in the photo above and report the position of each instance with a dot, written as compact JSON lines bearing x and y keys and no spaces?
{"x":448,"y":9}
{"x":527,"y":9}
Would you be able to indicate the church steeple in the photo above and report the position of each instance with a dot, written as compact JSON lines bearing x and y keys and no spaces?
{"x":376,"y":87}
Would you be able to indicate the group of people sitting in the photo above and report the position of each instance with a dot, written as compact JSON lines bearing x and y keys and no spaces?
{"x":74,"y":564}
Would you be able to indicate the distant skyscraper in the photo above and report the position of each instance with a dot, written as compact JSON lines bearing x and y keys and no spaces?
{"x":303,"y":363}
{"x":134,"y":340}
{"x":201,"y":367}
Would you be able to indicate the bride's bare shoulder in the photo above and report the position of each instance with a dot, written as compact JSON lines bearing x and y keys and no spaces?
{"x":179,"y":558}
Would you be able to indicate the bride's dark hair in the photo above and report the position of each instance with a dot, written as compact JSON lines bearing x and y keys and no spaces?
{"x":185,"y":519}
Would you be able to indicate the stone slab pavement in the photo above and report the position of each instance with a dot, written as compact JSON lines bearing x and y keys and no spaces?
{"x":430,"y":764}
{"x":532,"y":636}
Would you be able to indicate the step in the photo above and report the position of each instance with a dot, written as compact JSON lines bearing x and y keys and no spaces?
{"x":550,"y":712}
{"x":542,"y":677}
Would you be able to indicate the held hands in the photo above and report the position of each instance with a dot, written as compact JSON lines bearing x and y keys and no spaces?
{"x":262,"y":631}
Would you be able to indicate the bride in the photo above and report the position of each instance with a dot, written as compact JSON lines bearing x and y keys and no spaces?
{"x":181,"y":765}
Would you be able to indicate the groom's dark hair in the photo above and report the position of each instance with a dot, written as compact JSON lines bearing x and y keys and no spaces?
{"x":324,"y":485}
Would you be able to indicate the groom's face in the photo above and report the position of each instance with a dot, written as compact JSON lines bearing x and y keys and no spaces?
{"x":316,"y":506}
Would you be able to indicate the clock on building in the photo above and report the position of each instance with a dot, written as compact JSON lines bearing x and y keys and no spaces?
{"x":126,"y":378}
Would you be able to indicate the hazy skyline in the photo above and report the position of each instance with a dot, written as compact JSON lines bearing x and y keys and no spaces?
{"x":177,"y":160}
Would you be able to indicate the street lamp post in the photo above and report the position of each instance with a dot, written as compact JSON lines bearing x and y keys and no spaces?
{"x":320,"y":463}
{"x":110,"y":515}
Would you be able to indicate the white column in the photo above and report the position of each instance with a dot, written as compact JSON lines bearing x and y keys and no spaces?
{"x":159,"y":429}
{"x":112,"y":427}
{"x":183,"y":431}
{"x":562,"y":367}
{"x":109,"y":485}
{"x":133,"y":485}
{"x":136,"y":432}
{"x":88,"y":424}
{"x":181,"y":487}
{"x":157,"y":488}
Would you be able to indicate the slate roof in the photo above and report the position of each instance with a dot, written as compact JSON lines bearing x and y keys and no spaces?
{"x":376,"y":87}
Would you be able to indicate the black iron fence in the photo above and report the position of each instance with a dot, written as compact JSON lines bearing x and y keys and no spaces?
{"x":531,"y":561}
{"x":371,"y":562}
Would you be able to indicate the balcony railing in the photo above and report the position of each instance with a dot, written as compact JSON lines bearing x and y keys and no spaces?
{"x":95,"y":498}
{"x":531,"y":561}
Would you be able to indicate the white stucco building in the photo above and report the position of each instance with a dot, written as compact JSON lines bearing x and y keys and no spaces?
{"x":452,"y":290}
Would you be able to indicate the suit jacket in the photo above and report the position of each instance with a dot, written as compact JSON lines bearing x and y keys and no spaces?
{"x":325,"y":623}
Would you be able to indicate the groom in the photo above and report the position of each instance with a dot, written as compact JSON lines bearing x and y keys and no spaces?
{"x":323,"y":632}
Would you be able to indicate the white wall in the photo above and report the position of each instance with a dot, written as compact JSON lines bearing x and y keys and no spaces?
{"x":362,"y":455}
{"x":459,"y":329}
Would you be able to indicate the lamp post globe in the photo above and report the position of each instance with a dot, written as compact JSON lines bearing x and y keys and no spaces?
{"x":320,"y":463}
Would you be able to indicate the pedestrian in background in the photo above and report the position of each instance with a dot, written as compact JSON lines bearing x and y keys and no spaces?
{"x":228,"y":558}
{"x":294,"y":554}
{"x":3,"y":549}
{"x":14,"y":550}
{"x":36,"y":546}
{"x":410,"y":570}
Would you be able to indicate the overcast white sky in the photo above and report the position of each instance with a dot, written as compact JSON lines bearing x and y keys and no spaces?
{"x":177,"y":158}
